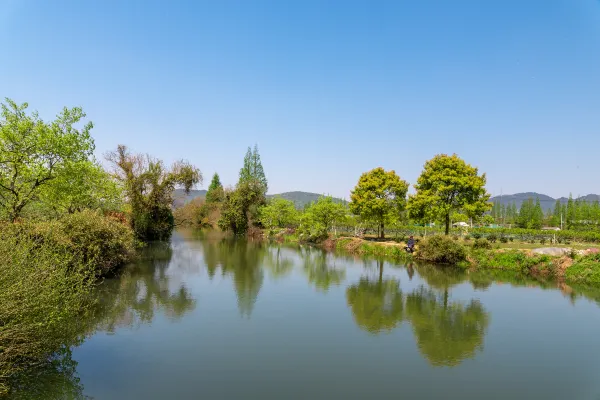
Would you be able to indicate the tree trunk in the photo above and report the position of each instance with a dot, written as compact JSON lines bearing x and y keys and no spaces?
{"x":381,"y":233}
{"x":448,"y":224}
{"x":380,"y":271}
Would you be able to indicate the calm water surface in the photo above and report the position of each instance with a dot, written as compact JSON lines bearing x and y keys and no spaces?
{"x":223,"y":319}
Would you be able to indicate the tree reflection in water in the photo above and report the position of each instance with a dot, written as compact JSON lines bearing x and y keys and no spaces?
{"x":319,"y":270}
{"x":447,"y":332}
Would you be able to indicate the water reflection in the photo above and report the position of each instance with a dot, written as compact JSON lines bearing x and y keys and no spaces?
{"x":447,"y":332}
{"x":320,"y":270}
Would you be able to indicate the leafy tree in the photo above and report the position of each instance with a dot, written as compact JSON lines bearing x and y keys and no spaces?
{"x":379,"y":196}
{"x":240,"y":207}
{"x":320,"y":217}
{"x":571,"y":213}
{"x":149,"y":187}
{"x":538,"y":215}
{"x":81,"y":185}
{"x":278,"y":213}
{"x":556,"y":215}
{"x":448,"y":184}
{"x":34,"y":152}
{"x":252,"y":171}
{"x":215,"y":193}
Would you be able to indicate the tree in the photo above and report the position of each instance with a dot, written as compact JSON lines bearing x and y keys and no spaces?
{"x":320,"y":217}
{"x":82,"y":185}
{"x":34,"y":152}
{"x":556,"y":215}
{"x":278,"y":213}
{"x":149,"y":187}
{"x":240,"y":207}
{"x":252,"y":171}
{"x":448,"y":184}
{"x":379,"y":196}
{"x":215,"y":192}
{"x":538,"y":215}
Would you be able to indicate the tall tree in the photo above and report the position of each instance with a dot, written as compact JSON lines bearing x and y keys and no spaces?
{"x":34,"y":152}
{"x":215,"y":193}
{"x":570,"y":211}
{"x":379,"y":196}
{"x":252,"y":172}
{"x":538,"y":215}
{"x":448,"y":184}
{"x":149,"y":187}
{"x":278,"y":213}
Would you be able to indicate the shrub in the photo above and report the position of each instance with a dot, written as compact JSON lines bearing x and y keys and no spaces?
{"x":476,"y":235}
{"x":503,"y":239}
{"x":511,"y":239}
{"x":585,"y":270}
{"x":492,"y":237}
{"x":482,"y":244}
{"x":441,"y":249}
{"x":543,"y":241}
{"x":454,"y":237}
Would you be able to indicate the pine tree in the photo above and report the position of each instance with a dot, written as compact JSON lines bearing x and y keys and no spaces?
{"x":556,"y":213}
{"x":537,"y":217}
{"x":215,"y":192}
{"x":570,"y":211}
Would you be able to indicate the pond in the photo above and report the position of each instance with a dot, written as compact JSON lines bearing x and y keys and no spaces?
{"x":213,"y":318}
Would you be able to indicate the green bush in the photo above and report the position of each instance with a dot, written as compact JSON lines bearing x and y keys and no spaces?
{"x":585,"y":270}
{"x":492,"y":238}
{"x":441,"y":249}
{"x":476,"y":235}
{"x":482,"y":244}
{"x":503,"y":239}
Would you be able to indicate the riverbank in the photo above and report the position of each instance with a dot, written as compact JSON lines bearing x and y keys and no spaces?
{"x":571,"y":266}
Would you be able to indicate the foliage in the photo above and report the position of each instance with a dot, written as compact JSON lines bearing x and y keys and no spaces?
{"x":252,"y":171}
{"x":448,"y":184}
{"x":441,"y":249}
{"x":82,"y":185}
{"x":531,"y":215}
{"x":278,"y":213}
{"x":215,"y":193}
{"x":379,"y":196}
{"x":47,"y":271}
{"x":240,"y":207}
{"x":320,"y":218}
{"x":34,"y":152}
{"x":149,"y":189}
{"x":492,"y":237}
{"x":482,"y":244}
{"x":586,"y":269}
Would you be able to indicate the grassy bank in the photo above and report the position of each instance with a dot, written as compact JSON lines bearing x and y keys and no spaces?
{"x":47,"y":273}
{"x":478,"y":255}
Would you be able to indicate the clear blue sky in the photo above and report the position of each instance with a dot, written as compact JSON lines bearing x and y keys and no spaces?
{"x":327,"y":89}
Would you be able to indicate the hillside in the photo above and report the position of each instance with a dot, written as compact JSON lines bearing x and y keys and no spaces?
{"x":300,"y":199}
{"x":546,"y":201}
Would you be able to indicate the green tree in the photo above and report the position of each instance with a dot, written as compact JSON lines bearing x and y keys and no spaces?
{"x":570,"y":211}
{"x":556,"y":215}
{"x":278,"y":213}
{"x":240,"y":207}
{"x":82,"y":185}
{"x":538,"y":215}
{"x":379,"y":196}
{"x":34,"y":152}
{"x":215,"y":193}
{"x":321,"y":216}
{"x":149,"y":187}
{"x":252,"y":171}
{"x":448,"y":184}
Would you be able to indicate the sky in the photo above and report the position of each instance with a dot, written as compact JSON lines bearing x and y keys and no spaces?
{"x":326,"y":89}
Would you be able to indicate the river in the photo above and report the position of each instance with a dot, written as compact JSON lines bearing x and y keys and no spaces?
{"x":213,"y":318}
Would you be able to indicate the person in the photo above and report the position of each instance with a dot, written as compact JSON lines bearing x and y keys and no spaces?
{"x":410,"y":244}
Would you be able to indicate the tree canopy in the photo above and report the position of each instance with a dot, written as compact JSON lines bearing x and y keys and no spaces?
{"x":278,"y":213}
{"x":252,"y":171}
{"x":34,"y":152}
{"x":215,"y":193}
{"x":379,"y":196}
{"x":448,"y":184}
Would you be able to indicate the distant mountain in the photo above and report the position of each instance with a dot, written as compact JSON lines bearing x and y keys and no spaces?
{"x":300,"y":199}
{"x":546,"y":201}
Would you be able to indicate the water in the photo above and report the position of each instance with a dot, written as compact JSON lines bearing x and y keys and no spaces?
{"x":220,"y":319}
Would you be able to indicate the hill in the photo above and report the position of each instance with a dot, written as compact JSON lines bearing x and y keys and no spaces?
{"x":546,"y":201}
{"x":300,"y":199}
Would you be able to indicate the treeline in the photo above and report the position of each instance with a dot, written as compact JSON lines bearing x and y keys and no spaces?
{"x":448,"y":190}
{"x":574,"y":214}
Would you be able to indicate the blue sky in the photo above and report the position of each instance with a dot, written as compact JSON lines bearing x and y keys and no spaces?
{"x":327,"y":89}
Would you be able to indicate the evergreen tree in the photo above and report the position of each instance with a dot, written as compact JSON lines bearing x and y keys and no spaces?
{"x":215,"y":192}
{"x":537,"y":217}
{"x":556,"y":214}
{"x":252,"y":172}
{"x":570,"y":211}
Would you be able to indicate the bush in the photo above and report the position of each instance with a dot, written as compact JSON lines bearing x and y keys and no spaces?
{"x":511,"y":239}
{"x":585,"y":270}
{"x":492,"y":237}
{"x":482,"y":244}
{"x":503,"y":239}
{"x":441,"y":249}
{"x":476,"y":235}
{"x":455,"y":237}
{"x":543,"y":241}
